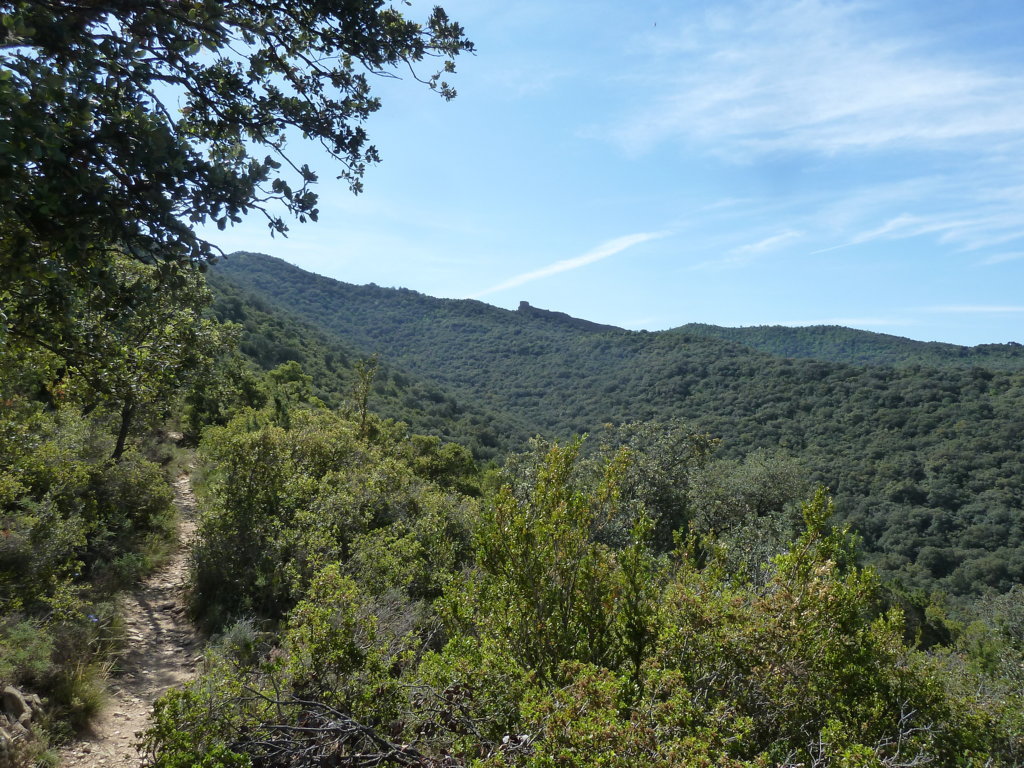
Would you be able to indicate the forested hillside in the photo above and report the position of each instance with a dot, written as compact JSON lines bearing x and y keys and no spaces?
{"x":271,"y":336}
{"x":847,"y":345}
{"x":925,"y":462}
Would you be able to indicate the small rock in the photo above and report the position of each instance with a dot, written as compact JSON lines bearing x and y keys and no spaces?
{"x":14,"y":703}
{"x":18,"y":730}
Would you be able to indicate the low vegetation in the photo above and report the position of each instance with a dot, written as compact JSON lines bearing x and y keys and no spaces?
{"x":589,"y":612}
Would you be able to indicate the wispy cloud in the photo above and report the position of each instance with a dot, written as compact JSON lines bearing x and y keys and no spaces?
{"x":524,"y":81}
{"x":744,"y":254}
{"x":902,"y":226}
{"x":975,"y":309}
{"x":817,"y":76}
{"x":602,"y":251}
{"x":966,"y":211}
{"x":1000,"y":258}
{"x":767,"y":244}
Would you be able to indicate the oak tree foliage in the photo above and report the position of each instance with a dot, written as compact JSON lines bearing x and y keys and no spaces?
{"x":123,"y":123}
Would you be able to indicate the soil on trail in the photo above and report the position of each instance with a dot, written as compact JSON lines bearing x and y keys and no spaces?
{"x":162,"y":651}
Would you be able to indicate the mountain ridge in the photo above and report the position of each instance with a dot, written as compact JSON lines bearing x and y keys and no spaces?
{"x":924,"y":459}
{"x":849,"y":345}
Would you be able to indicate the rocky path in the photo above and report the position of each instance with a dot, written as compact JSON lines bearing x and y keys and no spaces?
{"x":163,"y":650}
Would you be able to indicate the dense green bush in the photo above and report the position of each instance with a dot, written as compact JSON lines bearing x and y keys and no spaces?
{"x":552,"y":644}
{"x":76,"y":526}
{"x":72,"y":513}
{"x":283,"y":502}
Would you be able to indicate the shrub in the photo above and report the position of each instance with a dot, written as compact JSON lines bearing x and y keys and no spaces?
{"x":25,"y":650}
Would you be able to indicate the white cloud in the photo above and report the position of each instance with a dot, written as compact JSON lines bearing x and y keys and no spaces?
{"x":902,"y":226}
{"x":602,"y":251}
{"x":968,"y":210}
{"x":1001,"y":258}
{"x":983,"y":309}
{"x":744,"y":254}
{"x":768,"y":244}
{"x":817,"y":76}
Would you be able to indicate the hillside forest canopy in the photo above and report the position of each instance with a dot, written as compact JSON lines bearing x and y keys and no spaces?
{"x":435,"y":533}
{"x":923,"y":457}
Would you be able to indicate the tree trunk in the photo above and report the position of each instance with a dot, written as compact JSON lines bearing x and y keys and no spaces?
{"x":127,"y":411}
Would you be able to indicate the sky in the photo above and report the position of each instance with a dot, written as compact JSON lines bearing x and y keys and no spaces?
{"x":655,"y":163}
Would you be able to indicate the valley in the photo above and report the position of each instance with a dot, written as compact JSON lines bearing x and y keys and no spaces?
{"x":923,"y":457}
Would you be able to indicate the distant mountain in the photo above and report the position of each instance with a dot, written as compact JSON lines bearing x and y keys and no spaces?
{"x":272,"y":335}
{"x":846,"y":345}
{"x":925,"y":460}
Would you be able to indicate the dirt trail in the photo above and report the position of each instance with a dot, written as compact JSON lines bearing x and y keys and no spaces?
{"x":163,"y":650}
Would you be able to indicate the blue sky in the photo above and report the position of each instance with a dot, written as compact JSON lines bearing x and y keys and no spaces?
{"x":654,"y":163}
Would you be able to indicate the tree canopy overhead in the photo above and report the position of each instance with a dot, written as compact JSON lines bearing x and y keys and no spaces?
{"x":124,"y":122}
